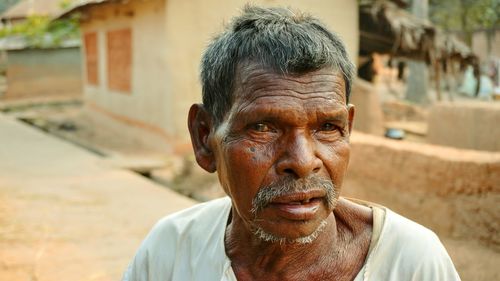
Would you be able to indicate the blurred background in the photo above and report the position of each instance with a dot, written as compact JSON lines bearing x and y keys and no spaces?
{"x":94,"y":146}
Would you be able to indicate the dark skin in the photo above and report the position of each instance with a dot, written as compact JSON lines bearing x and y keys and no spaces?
{"x":294,"y":126}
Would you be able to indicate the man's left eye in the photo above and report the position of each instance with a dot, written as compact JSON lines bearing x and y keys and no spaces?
{"x":328,"y":127}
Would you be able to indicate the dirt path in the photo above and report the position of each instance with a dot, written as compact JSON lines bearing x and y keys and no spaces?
{"x":65,"y":214}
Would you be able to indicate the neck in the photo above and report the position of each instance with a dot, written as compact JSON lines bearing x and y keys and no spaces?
{"x":255,"y":256}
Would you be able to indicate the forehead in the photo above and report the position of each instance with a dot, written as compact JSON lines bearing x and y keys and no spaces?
{"x":255,"y":84}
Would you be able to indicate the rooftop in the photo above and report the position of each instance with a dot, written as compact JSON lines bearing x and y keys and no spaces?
{"x":26,"y":8}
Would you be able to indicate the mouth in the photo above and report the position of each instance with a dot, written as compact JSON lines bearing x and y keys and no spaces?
{"x":298,"y":206}
{"x":301,"y":202}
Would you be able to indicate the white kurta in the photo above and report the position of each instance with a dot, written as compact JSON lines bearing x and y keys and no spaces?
{"x":189,"y":245}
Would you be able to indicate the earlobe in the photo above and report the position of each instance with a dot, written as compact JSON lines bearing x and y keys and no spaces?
{"x":200,"y":126}
{"x":350,"y":118}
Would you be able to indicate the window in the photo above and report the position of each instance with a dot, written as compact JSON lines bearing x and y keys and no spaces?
{"x":91,"y":58}
{"x":119,"y":61}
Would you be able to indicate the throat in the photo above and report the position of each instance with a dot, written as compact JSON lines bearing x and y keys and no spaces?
{"x":280,"y":264}
{"x":260,"y":256}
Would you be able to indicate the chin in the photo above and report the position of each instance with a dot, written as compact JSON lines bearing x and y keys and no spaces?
{"x":279,"y":238}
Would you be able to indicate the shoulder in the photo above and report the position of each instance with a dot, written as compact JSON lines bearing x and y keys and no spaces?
{"x":188,"y":224}
{"x":178,"y":237}
{"x":190,"y":220}
{"x":402,"y":231}
{"x":416,"y":251}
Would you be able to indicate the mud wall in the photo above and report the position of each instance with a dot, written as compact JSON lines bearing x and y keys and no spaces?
{"x":43,"y":72}
{"x":455,"y":192}
{"x":368,"y":116}
{"x":471,"y":125}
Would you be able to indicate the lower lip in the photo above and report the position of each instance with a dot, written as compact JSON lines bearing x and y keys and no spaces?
{"x":301,"y":212}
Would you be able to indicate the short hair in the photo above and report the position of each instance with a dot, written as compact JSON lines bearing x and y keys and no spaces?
{"x":285,"y":41}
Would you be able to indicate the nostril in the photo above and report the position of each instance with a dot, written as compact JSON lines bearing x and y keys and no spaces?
{"x":289,"y":171}
{"x":315,"y":170}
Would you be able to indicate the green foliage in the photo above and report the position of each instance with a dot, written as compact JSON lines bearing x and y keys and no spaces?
{"x":65,"y":3}
{"x":41,"y":31}
{"x":465,"y":15}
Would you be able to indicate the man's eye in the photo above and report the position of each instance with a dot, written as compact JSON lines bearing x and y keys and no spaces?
{"x":260,"y":127}
{"x":328,"y":127}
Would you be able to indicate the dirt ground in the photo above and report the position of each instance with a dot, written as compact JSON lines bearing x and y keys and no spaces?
{"x":66,"y":214}
{"x":31,"y":236}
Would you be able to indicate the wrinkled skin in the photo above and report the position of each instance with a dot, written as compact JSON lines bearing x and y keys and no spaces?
{"x":285,"y":126}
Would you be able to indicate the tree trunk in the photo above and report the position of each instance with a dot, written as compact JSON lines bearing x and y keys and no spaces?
{"x":467,"y":33}
{"x":418,"y":78}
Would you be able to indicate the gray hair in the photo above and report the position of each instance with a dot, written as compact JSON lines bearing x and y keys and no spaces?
{"x":285,"y":41}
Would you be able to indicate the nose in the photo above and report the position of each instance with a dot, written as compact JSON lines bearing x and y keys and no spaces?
{"x":298,"y":157}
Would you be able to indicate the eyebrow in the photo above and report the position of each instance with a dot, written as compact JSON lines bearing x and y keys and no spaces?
{"x":338,"y":116}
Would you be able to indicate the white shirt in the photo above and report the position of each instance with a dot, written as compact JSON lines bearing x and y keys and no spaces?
{"x":189,"y":245}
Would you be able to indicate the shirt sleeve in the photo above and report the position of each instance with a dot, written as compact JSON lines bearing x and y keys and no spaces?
{"x":407,"y":251}
{"x":155,"y":258}
{"x":137,"y":270}
{"x":436,"y":265}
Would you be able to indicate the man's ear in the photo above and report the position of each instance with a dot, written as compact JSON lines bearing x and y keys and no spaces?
{"x":200,"y":126}
{"x":350,"y":118}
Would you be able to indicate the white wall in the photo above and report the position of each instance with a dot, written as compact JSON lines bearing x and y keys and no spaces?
{"x":168,"y":40}
{"x":148,"y":103}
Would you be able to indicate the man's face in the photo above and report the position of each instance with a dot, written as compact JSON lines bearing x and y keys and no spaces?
{"x":282,"y":151}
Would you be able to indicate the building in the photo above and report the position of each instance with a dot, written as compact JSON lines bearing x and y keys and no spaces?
{"x":141,"y":58}
{"x":33,"y":71}
{"x":486,"y":43}
{"x":42,"y":72}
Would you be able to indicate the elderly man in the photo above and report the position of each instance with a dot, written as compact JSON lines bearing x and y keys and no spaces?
{"x":275,"y":124}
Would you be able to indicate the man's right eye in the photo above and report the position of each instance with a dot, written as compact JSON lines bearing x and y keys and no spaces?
{"x":260,"y":127}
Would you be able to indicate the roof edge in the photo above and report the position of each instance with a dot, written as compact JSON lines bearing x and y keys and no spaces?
{"x":80,"y":5}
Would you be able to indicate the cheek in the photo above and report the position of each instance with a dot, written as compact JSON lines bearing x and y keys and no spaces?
{"x":248,"y":160}
{"x":246,"y":167}
{"x":343,"y":151}
{"x":336,"y":160}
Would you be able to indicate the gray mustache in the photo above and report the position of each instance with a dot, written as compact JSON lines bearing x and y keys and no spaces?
{"x":287,"y":185}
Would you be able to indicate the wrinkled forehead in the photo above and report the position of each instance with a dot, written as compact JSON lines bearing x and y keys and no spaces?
{"x":253,"y":80}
